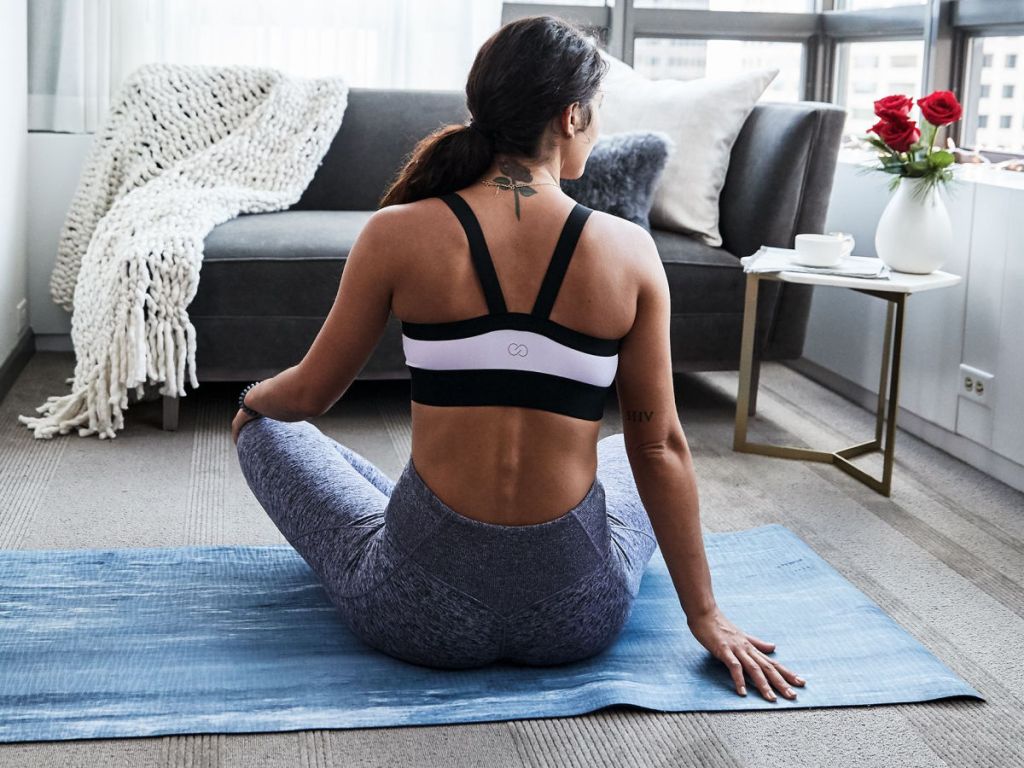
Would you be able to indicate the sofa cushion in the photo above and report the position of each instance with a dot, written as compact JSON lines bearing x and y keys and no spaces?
{"x":380,"y":129}
{"x":704,"y":117}
{"x":286,"y":263}
{"x":702,"y":278}
{"x":289,"y":263}
{"x":622,"y":173}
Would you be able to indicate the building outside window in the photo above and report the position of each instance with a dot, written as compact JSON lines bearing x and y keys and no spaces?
{"x":866,"y":71}
{"x":856,"y":5}
{"x":778,"y":6}
{"x":1000,"y":75}
{"x":685,"y":59}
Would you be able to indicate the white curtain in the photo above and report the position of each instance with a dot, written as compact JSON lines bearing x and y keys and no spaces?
{"x":81,"y":50}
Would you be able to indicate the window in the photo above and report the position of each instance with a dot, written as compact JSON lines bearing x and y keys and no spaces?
{"x":784,"y":6}
{"x":864,"y":62}
{"x":995,"y":59}
{"x":867,"y":62}
{"x":685,"y":59}
{"x":856,"y":5}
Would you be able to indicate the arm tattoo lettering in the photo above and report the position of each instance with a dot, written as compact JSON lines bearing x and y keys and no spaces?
{"x":638,"y":415}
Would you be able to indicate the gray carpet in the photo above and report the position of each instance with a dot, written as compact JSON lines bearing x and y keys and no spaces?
{"x":944,"y":556}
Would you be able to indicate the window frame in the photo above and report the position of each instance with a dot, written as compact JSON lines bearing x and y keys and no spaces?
{"x":947,"y":27}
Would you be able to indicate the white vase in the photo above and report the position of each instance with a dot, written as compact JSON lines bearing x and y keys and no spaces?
{"x":914,"y":233}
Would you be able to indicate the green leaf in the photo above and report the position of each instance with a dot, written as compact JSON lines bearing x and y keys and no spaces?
{"x":919,"y":165}
{"x":942,"y":158}
{"x":503,"y":179}
{"x":527,"y":191}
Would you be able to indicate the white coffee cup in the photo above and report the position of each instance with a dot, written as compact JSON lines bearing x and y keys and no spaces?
{"x":847,"y":239}
{"x":813,"y":250}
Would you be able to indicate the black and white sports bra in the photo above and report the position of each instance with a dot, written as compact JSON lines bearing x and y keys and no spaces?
{"x":512,"y":358}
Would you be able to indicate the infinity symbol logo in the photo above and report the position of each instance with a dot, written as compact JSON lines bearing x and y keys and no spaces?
{"x":519,"y":350}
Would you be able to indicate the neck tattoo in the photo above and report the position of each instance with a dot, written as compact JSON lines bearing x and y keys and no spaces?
{"x":518,"y":178}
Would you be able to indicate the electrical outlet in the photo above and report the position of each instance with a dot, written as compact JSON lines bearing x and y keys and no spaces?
{"x":976,"y":384}
{"x":22,"y":314}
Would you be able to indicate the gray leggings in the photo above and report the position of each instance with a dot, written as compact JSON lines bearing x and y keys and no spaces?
{"x":416,"y":580}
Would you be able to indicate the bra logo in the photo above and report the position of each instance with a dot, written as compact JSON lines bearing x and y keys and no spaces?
{"x":518,"y":350}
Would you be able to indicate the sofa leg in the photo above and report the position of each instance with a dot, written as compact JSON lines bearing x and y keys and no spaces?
{"x":755,"y":375}
{"x":170,"y":413}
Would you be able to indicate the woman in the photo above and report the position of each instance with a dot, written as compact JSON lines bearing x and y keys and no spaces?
{"x":512,"y":533}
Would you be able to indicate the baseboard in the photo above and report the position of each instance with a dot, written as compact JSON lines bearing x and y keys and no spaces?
{"x":15,"y":363}
{"x":978,"y":456}
{"x":54,"y":342}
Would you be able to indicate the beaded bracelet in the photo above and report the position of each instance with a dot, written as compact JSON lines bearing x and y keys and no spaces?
{"x":241,"y":401}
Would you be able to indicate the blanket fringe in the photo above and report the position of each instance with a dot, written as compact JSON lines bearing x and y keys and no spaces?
{"x":102,"y":402}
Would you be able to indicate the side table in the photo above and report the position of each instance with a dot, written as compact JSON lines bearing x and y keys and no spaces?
{"x":894,"y":290}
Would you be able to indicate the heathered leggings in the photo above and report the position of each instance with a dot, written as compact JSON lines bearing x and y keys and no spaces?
{"x":416,"y":580}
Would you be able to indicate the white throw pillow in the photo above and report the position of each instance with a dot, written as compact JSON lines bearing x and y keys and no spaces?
{"x":703,"y":117}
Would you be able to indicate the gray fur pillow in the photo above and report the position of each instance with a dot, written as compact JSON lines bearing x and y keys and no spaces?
{"x":622,"y":173}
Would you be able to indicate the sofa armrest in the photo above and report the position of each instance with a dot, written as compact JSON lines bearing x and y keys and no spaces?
{"x":780,"y":175}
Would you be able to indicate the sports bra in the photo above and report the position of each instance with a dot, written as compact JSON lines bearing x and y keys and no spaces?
{"x":512,"y":358}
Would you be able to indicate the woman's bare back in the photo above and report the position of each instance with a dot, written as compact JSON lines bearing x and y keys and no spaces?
{"x":503,"y":464}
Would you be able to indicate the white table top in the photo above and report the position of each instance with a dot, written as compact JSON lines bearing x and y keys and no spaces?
{"x":896,"y":282}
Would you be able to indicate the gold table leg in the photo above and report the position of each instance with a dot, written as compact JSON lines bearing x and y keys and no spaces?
{"x":891,"y":353}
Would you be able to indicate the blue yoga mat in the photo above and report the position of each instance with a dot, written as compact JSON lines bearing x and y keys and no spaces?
{"x":227,"y":639}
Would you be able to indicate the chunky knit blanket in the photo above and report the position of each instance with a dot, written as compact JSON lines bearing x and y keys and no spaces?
{"x":182,"y":149}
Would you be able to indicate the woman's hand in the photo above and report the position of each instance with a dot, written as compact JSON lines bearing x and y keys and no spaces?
{"x":740,"y":651}
{"x":236,"y":424}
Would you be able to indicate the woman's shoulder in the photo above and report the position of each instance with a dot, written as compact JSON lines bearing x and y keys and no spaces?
{"x":626,"y":239}
{"x":401,"y":219}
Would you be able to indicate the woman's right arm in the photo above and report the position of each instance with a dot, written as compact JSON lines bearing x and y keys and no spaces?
{"x":659,"y":455}
{"x":662,"y":467}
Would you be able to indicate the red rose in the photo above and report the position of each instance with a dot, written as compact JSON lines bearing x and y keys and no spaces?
{"x":898,"y":132}
{"x":940,"y":107}
{"x":896,"y":105}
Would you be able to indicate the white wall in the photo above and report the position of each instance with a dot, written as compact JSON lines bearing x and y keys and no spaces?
{"x":56,"y":160}
{"x":13,"y":169}
{"x":977,"y":322}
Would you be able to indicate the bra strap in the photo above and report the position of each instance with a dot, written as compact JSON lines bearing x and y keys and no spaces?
{"x":560,"y":260}
{"x":478,"y":252}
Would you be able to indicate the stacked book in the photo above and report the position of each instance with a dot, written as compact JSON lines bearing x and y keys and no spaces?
{"x":770,"y":259}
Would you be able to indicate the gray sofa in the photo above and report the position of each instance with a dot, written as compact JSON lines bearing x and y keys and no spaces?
{"x":268,"y":280}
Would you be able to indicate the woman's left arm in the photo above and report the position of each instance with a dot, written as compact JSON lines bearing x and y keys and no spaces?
{"x":348,"y":336}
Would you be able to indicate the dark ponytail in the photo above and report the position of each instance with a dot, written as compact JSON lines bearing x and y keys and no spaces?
{"x":523,"y":76}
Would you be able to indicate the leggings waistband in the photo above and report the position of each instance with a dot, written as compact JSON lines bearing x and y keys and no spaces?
{"x":506,"y":566}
